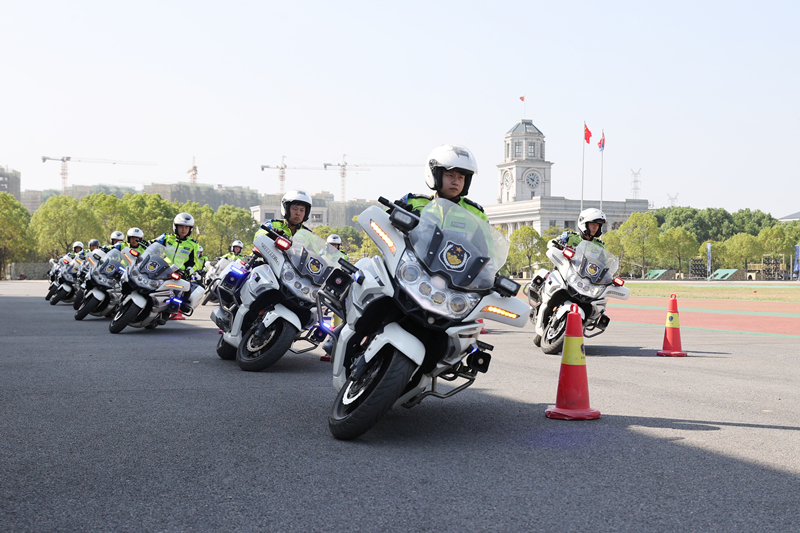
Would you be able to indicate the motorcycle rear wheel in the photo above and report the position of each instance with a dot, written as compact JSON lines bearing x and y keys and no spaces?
{"x":361,"y":404}
{"x":254,"y":355}
{"x":124,"y":316}
{"x":89,"y":304}
{"x":553,"y":338}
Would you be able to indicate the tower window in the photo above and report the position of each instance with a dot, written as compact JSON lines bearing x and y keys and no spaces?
{"x":532,"y":150}
{"x":517,"y":149}
{"x":508,"y":149}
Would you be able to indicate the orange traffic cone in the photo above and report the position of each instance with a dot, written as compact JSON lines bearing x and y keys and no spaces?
{"x":484,"y":331}
{"x":672,"y":333}
{"x":572,"y":398}
{"x":177,"y":316}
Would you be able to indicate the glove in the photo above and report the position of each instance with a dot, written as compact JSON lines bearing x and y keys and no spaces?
{"x":187,"y":275}
{"x":404,"y":205}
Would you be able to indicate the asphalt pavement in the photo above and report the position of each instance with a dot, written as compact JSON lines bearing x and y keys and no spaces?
{"x":151,"y":431}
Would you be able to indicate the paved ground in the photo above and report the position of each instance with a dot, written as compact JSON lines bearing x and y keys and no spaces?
{"x":151,"y":431}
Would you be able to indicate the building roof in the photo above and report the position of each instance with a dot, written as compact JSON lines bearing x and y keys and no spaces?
{"x":790,"y":218}
{"x":525,"y":125}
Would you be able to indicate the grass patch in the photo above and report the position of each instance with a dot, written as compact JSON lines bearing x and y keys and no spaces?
{"x":753,"y":291}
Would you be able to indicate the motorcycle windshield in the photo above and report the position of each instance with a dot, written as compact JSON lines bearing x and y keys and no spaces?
{"x":459,"y":245}
{"x":113,"y":260}
{"x":312,"y":256}
{"x":157,"y":261}
{"x":595,"y":262}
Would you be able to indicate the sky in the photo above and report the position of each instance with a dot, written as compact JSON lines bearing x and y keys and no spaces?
{"x":701,"y":96}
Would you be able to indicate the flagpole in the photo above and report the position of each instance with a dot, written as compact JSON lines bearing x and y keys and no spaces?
{"x":583,"y":160}
{"x":602,"y":155}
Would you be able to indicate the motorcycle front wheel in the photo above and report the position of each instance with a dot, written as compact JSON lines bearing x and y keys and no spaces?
{"x":225,"y":351}
{"x":78,"y":300}
{"x":553,"y":338}
{"x":60,"y":295}
{"x":362,"y":402}
{"x":124,"y":316}
{"x":257,"y":353}
{"x":89,"y":304}
{"x":51,"y":292}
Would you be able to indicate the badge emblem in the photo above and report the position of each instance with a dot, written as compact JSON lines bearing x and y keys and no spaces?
{"x":592,"y":269}
{"x":152,"y":265}
{"x":454,"y":256}
{"x":314,"y":266}
{"x":110,"y":269}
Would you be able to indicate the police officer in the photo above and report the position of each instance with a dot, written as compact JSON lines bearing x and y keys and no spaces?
{"x":77,"y":247}
{"x":449,"y":171}
{"x":235,"y":251}
{"x":135,"y":241}
{"x":295,"y":209}
{"x":336,"y":241}
{"x":185,"y":253}
{"x":116,"y":236}
{"x":590,"y":228}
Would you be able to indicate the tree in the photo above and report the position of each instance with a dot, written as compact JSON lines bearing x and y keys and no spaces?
{"x":148,"y":212}
{"x":527,"y":242}
{"x":743,"y":248}
{"x":59,"y":222}
{"x":719,"y":223}
{"x":107,"y":210}
{"x":14,"y":222}
{"x":227,"y":224}
{"x":774,"y":241}
{"x":678,"y":243}
{"x":639,"y":237}
{"x":752,"y":222}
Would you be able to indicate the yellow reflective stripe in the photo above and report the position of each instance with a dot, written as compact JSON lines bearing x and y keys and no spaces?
{"x":672,"y":320}
{"x":573,"y":352}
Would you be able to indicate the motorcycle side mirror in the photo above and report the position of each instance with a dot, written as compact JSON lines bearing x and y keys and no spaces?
{"x":506,"y":286}
{"x":402,"y":219}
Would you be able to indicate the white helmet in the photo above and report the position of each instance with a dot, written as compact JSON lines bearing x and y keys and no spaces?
{"x":334,"y":239}
{"x":591,"y":215}
{"x":183,"y":219}
{"x":295,"y":196}
{"x":76,"y":244}
{"x":450,"y":157}
{"x":238,"y":243}
{"x":200,"y":249}
{"x":117,"y":235}
{"x":135,"y":232}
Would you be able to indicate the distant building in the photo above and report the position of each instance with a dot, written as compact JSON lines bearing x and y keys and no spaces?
{"x":324,"y":210}
{"x":790,"y":218}
{"x":524,"y":182}
{"x":10,"y":182}
{"x":212,"y":195}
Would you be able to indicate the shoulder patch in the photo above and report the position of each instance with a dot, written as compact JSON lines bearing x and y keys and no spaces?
{"x":412,"y":196}
{"x":473,"y":204}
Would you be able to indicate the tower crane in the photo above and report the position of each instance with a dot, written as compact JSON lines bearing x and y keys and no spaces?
{"x":193,"y":171}
{"x":343,"y":166}
{"x":66,"y":159}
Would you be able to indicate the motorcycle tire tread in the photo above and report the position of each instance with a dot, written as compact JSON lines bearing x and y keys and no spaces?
{"x":130,"y":314}
{"x":60,"y":295}
{"x":89,"y":304}
{"x":279,"y":347}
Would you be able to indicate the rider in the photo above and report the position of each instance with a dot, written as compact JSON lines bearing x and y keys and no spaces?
{"x":135,"y":241}
{"x":336,"y":241}
{"x":77,"y":247}
{"x":235,"y":251}
{"x":94,"y":244}
{"x":295,"y":209}
{"x":186,"y":254}
{"x":448,"y":171}
{"x":116,"y":236}
{"x":203,"y":257}
{"x":590,"y":228}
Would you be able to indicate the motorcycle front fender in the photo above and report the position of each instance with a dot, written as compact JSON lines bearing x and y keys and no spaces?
{"x":394,"y":334}
{"x":137,"y":298}
{"x":98,"y":294}
{"x":281,"y":311}
{"x":67,"y":287}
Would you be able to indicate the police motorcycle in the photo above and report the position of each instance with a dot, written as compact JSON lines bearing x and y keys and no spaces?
{"x":411,"y":316}
{"x":68,"y":279}
{"x":583,"y":275}
{"x":103,"y":286}
{"x":91,"y":258}
{"x":212,"y":278}
{"x":52,"y":275}
{"x":153,"y":290}
{"x":264,"y":310}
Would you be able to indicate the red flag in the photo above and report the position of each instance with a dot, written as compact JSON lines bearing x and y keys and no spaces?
{"x":586,"y":133}
{"x":522,"y":98}
{"x":602,"y":143}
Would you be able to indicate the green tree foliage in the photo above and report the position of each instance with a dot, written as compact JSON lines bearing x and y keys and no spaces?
{"x":351,"y":237}
{"x":527,"y":244}
{"x":639,"y":237}
{"x":14,"y":222}
{"x":679,"y":245}
{"x":741,"y":249}
{"x":60,"y":221}
{"x":706,"y":224}
{"x":752,"y":222}
{"x":148,"y":212}
{"x":227,"y":224}
{"x":107,"y":209}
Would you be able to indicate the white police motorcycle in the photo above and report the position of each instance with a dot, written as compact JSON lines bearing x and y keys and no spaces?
{"x":583,"y":275}
{"x":68,"y":279}
{"x":263,"y":310}
{"x":153,"y":290}
{"x":103,"y":285}
{"x":411,"y":316}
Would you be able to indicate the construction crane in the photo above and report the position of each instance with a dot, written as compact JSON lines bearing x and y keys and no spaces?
{"x":343,"y":166}
{"x":193,"y":171}
{"x":66,"y":159}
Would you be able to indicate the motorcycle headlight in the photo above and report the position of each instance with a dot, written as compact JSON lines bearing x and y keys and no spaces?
{"x":431,"y":293}
{"x":300,"y":286}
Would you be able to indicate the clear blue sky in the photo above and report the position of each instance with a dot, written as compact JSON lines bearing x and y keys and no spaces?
{"x":702,"y":96}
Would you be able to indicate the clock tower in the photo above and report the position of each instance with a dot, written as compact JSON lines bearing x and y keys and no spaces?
{"x":524,"y":174}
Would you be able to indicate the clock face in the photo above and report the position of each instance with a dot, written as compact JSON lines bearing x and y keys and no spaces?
{"x":532,"y":180}
{"x":507,"y":180}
